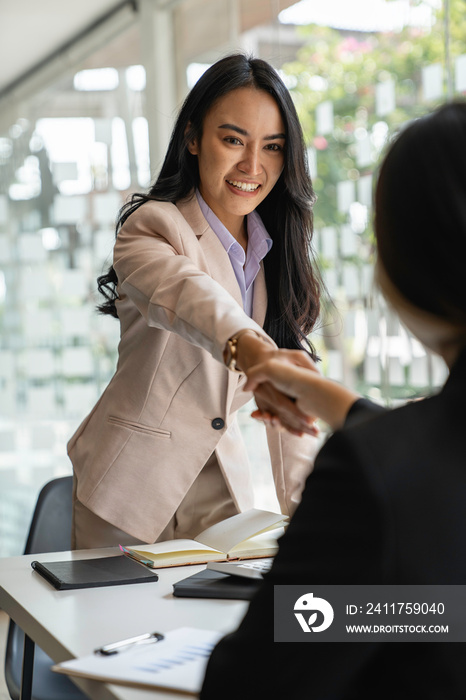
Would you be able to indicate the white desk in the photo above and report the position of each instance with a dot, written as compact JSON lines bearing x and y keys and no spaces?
{"x":69,"y":624}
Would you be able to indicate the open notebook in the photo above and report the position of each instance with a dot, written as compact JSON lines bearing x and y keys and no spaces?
{"x":248,"y":535}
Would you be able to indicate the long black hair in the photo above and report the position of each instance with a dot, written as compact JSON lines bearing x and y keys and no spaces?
{"x":420,"y":213}
{"x":293,"y":282}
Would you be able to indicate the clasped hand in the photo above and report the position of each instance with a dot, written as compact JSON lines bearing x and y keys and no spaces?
{"x":276,"y":405}
{"x":290,"y":392}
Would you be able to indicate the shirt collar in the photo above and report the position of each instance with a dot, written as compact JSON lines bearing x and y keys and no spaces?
{"x":259,"y":241}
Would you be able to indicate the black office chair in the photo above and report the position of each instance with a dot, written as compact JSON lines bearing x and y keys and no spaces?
{"x":50,"y":531}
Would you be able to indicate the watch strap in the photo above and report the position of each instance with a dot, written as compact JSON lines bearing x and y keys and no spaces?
{"x":231,"y":350}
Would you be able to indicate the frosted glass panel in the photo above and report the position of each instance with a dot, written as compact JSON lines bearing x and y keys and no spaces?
{"x":324,"y":118}
{"x":396,"y":375}
{"x":108,"y":329}
{"x":364,"y":188}
{"x":335,"y":365}
{"x":418,"y":372}
{"x":372,"y":370}
{"x":346,"y":194}
{"x":7,"y":440}
{"x":35,"y":285}
{"x":349,"y":241}
{"x":69,"y":210}
{"x":398,"y":346}
{"x":432,"y":81}
{"x":39,"y":324}
{"x":103,"y":244}
{"x":331,"y":281}
{"x":8,"y":404}
{"x":76,"y":322}
{"x":328,"y":242}
{"x":39,"y":364}
{"x":103,"y":131}
{"x":65,"y":171}
{"x":3,"y":209}
{"x":367,"y":280}
{"x":460,"y":74}
{"x":72,"y":283}
{"x":79,"y":399}
{"x":439,"y":370}
{"x":7,"y":363}
{"x":351,"y":281}
{"x":372,"y":322}
{"x":41,"y":402}
{"x":385,"y":98}
{"x":106,"y":207}
{"x":5,"y":249}
{"x":364,"y":151}
{"x":77,"y":362}
{"x":42,"y":437}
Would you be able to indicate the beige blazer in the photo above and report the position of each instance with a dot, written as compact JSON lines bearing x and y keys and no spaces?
{"x":172,"y":402}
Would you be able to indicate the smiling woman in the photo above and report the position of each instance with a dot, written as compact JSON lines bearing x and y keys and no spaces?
{"x":240,"y":156}
{"x":211,"y":275}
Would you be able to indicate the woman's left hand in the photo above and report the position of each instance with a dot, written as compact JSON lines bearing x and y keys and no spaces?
{"x":276,"y":409}
{"x":313,"y":394}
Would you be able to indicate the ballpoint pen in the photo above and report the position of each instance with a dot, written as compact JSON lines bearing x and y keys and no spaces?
{"x":149,"y":638}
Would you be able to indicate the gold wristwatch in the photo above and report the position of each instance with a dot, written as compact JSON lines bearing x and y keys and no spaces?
{"x":231,"y":349}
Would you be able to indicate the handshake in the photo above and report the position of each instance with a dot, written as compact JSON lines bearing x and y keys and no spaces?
{"x":289,"y":390}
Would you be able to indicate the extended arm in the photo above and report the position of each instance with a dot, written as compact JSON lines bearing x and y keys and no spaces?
{"x":163,"y":270}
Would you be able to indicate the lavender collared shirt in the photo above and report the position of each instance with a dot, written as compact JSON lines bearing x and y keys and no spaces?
{"x":245,"y":265}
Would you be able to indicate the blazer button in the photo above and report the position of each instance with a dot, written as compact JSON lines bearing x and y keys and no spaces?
{"x":218,"y":423}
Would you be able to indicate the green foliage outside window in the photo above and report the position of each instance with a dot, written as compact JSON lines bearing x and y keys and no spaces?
{"x":347,"y":69}
{"x":344,"y":67}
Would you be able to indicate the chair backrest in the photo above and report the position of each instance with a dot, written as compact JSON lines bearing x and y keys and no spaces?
{"x":50,"y":529}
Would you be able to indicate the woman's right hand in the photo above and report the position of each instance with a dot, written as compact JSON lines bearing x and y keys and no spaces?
{"x":274,"y":405}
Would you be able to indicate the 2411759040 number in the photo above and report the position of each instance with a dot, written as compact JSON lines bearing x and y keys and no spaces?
{"x":404,"y":608}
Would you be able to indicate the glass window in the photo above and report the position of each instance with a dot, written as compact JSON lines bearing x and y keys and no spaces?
{"x":357,"y":71}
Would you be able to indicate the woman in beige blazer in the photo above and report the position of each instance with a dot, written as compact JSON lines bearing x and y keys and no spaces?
{"x":161,"y":455}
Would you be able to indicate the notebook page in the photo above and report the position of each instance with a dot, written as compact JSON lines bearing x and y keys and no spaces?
{"x":230,"y":532}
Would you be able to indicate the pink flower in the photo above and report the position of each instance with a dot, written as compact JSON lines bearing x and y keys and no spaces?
{"x":351,"y":45}
{"x":320,"y":142}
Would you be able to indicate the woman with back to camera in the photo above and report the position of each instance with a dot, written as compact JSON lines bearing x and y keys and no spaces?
{"x":211,"y":274}
{"x":385,"y":504}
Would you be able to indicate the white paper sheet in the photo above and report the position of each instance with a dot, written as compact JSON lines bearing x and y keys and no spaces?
{"x":178,"y":662}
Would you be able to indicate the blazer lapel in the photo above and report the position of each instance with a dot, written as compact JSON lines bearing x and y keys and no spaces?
{"x":217,"y":263}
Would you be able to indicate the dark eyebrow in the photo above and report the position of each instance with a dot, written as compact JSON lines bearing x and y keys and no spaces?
{"x":243,"y":132}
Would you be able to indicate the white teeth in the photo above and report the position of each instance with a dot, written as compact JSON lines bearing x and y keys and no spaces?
{"x":243,"y":186}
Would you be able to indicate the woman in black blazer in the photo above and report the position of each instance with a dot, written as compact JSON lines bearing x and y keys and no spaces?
{"x":386,"y":503}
